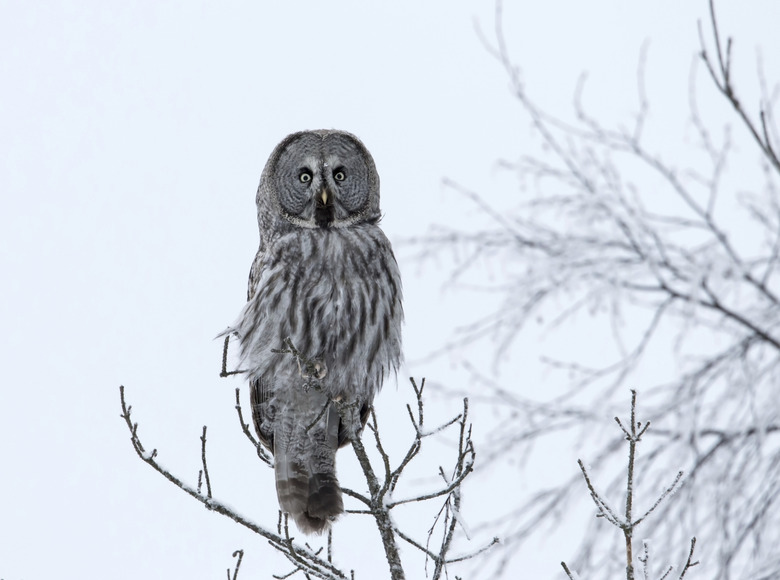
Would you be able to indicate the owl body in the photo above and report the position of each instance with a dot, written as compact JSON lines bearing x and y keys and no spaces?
{"x":326,"y":279}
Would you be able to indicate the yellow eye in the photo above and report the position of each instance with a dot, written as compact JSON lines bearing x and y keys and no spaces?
{"x":305,"y":177}
{"x":339,"y":176}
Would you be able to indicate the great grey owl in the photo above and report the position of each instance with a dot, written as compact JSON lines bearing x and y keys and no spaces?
{"x":326,"y":279}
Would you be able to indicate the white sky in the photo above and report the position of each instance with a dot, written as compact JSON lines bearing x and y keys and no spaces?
{"x":132,"y":137}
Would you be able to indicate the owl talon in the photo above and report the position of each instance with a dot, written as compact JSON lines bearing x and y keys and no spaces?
{"x":313,"y":370}
{"x":320,"y":370}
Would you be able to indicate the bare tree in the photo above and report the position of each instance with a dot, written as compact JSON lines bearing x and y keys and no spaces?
{"x":618,"y":232}
{"x":377,"y":501}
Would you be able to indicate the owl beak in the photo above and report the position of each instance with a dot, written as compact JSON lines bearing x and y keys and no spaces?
{"x":323,"y":208}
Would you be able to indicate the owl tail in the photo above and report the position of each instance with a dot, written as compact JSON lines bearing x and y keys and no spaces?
{"x":305,"y":467}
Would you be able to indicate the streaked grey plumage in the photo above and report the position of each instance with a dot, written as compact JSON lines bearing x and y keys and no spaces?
{"x":325,"y":277}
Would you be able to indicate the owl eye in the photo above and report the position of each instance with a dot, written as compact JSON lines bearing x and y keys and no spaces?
{"x":305,"y":176}
{"x":339,"y":175}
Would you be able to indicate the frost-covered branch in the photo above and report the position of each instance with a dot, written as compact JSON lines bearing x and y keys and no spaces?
{"x":304,"y":558}
{"x":720,"y":69}
{"x":264,"y":456}
{"x":378,"y":500}
{"x":240,"y":555}
{"x":674,"y":269}
{"x":628,"y":523}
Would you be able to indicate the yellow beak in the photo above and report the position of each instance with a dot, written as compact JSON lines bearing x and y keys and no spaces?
{"x":324,"y":197}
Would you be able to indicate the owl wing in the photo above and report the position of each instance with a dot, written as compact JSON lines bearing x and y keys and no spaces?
{"x":259,"y":391}
{"x":259,"y":395}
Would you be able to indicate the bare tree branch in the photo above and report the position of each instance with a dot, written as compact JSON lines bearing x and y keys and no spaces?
{"x":378,"y":503}
{"x":627,"y":524}
{"x":240,"y":555}
{"x":681,"y":269}
{"x":304,"y":558}
{"x":261,"y":452}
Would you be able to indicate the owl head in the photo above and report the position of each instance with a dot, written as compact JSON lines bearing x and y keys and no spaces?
{"x":318,"y":179}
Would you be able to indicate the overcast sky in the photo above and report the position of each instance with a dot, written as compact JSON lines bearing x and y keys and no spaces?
{"x":132,"y":137}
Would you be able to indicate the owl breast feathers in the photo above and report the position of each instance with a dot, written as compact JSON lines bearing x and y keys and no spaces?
{"x":325,"y":279}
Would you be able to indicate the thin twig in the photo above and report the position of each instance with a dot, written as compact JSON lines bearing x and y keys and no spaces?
{"x":689,"y":563}
{"x":240,"y":555}
{"x":261,"y":452}
{"x":224,"y":372}
{"x":203,"y":461}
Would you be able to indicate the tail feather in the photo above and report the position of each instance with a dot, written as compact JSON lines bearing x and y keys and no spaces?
{"x":325,"y":501}
{"x":292,"y":484}
{"x":306,"y":481}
